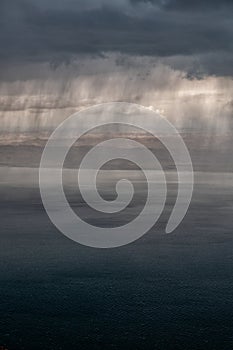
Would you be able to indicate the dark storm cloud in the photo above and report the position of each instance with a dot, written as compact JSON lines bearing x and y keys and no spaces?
{"x":58,"y":31}
{"x":187,"y":5}
{"x":198,"y":5}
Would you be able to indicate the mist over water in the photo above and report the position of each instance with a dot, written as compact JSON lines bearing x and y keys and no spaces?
{"x":42,"y":97}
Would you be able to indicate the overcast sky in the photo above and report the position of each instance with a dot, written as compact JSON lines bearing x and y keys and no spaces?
{"x":59,"y":30}
{"x":102,"y":50}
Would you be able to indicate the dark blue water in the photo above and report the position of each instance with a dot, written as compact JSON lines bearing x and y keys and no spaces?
{"x":162,"y":292}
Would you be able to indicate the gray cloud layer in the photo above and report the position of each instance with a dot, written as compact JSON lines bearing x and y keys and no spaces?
{"x":199,"y":32}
